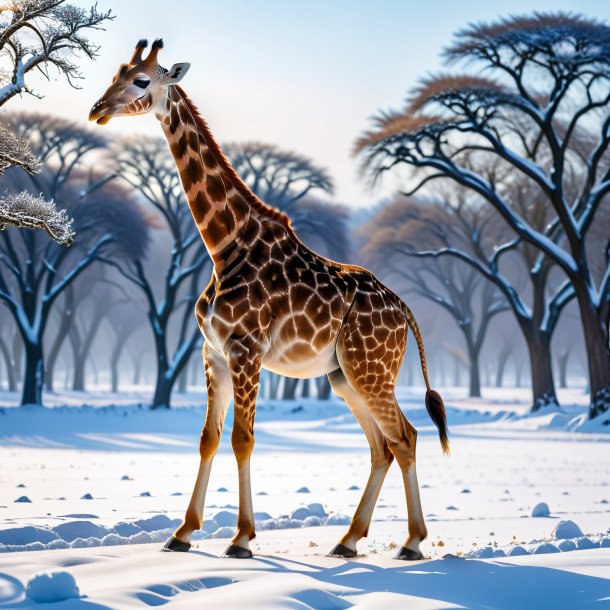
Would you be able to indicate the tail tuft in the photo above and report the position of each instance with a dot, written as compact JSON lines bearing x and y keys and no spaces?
{"x":436,"y":411}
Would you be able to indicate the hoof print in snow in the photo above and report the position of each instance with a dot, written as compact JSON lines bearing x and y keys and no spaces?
{"x":406,"y":554}
{"x":23,"y":499}
{"x":465,"y":491}
{"x":173,"y":545}
{"x":145,"y":494}
{"x":126,"y":477}
{"x":20,"y":485}
{"x":237,"y":552}
{"x":353,"y":488}
{"x":223,"y":489}
{"x":303,"y":490}
{"x":541,"y":510}
{"x":87,"y":497}
{"x":342,"y":551}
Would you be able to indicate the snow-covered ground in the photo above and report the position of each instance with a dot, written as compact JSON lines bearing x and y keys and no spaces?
{"x":101,"y":487}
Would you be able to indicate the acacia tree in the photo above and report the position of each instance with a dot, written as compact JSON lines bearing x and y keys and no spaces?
{"x":548,"y":78}
{"x":397,"y":235}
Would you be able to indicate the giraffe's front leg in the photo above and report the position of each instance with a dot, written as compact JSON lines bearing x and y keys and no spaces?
{"x":245,"y":371}
{"x":220,"y":392}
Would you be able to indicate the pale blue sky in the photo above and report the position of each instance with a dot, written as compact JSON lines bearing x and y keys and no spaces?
{"x":305,"y":75}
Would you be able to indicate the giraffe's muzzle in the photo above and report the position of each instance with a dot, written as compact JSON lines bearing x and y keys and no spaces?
{"x":99,"y":113}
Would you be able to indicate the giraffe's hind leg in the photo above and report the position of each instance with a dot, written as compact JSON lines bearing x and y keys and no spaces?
{"x":370,"y":356}
{"x":381,"y":458}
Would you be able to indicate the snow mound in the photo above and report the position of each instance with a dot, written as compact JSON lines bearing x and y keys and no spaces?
{"x":316,"y":509}
{"x":224,"y":532}
{"x":300,"y":513}
{"x":517,"y":550}
{"x":51,"y":586}
{"x":82,"y":533}
{"x":226,"y":518}
{"x":566,"y":545}
{"x":585,"y":543}
{"x":566,"y":529}
{"x":545,"y":548}
{"x":541,"y":510}
{"x":486,"y":552}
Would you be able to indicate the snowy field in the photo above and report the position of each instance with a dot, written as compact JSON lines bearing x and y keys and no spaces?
{"x":91,"y":492}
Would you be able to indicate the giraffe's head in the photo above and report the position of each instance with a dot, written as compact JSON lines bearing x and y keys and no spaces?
{"x":139,"y":86}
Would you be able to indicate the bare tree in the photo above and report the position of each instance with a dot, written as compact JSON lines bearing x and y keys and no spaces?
{"x":33,"y":274}
{"x":552,"y":73}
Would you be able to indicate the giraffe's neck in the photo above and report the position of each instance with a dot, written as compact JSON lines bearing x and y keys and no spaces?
{"x":220,"y":202}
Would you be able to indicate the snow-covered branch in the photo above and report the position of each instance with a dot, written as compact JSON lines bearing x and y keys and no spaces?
{"x":26,"y":211}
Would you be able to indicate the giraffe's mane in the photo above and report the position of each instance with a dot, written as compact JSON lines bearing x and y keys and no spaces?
{"x":228,"y":170}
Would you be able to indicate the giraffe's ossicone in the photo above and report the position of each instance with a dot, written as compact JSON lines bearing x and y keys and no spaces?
{"x":273,"y":303}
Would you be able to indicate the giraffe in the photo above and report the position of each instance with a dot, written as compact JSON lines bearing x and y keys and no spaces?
{"x":273,"y":303}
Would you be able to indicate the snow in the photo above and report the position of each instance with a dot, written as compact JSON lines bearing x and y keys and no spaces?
{"x":490,"y":552}
{"x":566,"y":529}
{"x":541,"y":510}
{"x":51,"y":586}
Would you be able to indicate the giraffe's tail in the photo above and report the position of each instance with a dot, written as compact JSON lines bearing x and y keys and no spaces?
{"x":434,"y":402}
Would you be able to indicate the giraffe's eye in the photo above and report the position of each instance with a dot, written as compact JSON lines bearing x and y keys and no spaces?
{"x":141,"y":82}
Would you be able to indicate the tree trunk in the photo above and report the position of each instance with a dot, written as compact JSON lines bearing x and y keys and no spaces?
{"x":562,"y":364}
{"x":63,"y":328}
{"x":78,"y":381}
{"x":290,"y":388}
{"x":473,"y":351}
{"x":474,"y":390}
{"x":114,"y":361}
{"x":596,"y":343}
{"x":10,"y":368}
{"x":324,"y":388}
{"x":182,"y":379}
{"x":543,"y":384}
{"x":137,"y":368}
{"x":34,"y":374}
{"x":18,"y":356}
{"x":518,"y":371}
{"x":163,"y":393}
{"x":502,"y":360}
{"x":274,"y":386}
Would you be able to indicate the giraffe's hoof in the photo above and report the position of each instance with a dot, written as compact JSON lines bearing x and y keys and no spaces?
{"x":408,"y":555}
{"x":176,"y":546}
{"x":342,"y":551}
{"x":238,"y":552}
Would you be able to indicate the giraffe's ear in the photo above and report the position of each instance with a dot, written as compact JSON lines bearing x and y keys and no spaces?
{"x":175,"y":74}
